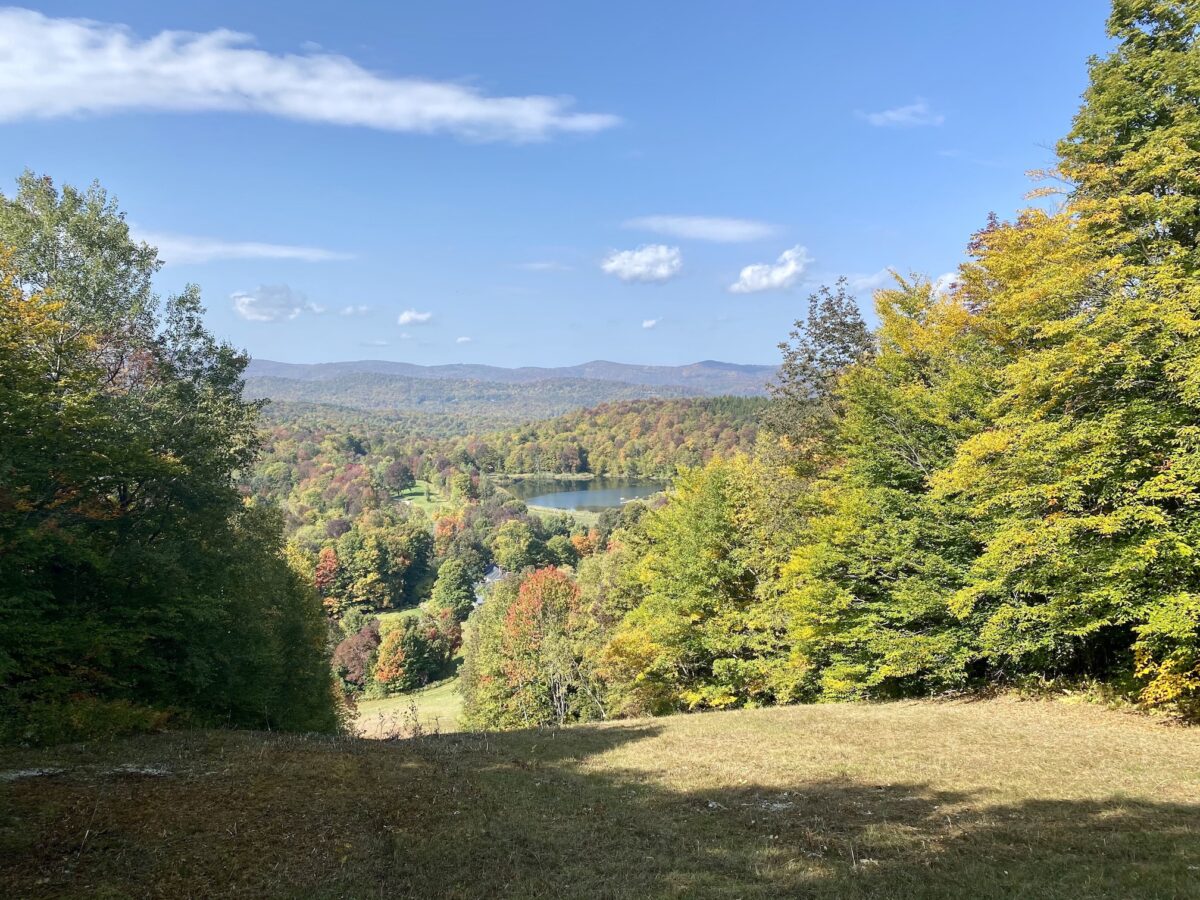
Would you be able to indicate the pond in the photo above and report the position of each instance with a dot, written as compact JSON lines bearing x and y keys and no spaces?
{"x":595,"y":495}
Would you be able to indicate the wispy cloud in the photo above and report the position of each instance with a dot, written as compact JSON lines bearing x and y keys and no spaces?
{"x":375,"y":343}
{"x":53,"y":67}
{"x":912,"y":115}
{"x":544,"y":266}
{"x":704,"y":228}
{"x":650,"y":323}
{"x":183,"y":249}
{"x":272,"y":303}
{"x":412,"y":317}
{"x":783,"y":273}
{"x":862,"y":284}
{"x":353,"y":310}
{"x":462,"y":340}
{"x":650,"y":262}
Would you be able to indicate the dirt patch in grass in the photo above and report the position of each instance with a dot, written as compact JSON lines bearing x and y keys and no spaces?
{"x":992,"y":799}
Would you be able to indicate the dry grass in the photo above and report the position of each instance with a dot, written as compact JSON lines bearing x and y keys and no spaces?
{"x":990,"y":799}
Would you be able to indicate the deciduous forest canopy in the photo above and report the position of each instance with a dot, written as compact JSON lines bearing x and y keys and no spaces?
{"x":996,"y":483}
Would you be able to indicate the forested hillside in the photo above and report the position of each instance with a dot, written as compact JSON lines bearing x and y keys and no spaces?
{"x":384,"y":516}
{"x":534,"y":399}
{"x":997,"y":485}
{"x":706,"y":377}
{"x":136,"y":586}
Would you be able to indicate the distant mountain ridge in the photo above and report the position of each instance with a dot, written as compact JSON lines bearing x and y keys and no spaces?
{"x":706,"y":378}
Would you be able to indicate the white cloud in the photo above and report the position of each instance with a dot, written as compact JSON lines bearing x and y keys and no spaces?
{"x":183,"y":249}
{"x":785,"y":272}
{"x":462,"y":340}
{"x":544,"y":266}
{"x":945,"y":283}
{"x":52,"y":67}
{"x":272,"y":303}
{"x":650,"y":323}
{"x":412,"y":317}
{"x":704,"y":228}
{"x":375,"y":343}
{"x":914,"y":114}
{"x":861,"y":284}
{"x":353,"y":310}
{"x":650,"y":262}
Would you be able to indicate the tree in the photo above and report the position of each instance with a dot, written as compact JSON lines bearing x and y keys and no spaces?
{"x":325,"y":576}
{"x":132,"y":575}
{"x":707,"y":630}
{"x":398,"y":477}
{"x":831,"y":338}
{"x":462,"y":488}
{"x":516,"y":546}
{"x":409,"y":656}
{"x":454,"y":589}
{"x":562,"y":551}
{"x":1086,"y":484}
{"x":354,"y":658}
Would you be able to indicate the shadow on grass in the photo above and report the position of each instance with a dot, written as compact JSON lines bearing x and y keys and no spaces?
{"x":544,"y":824}
{"x":544,"y":814}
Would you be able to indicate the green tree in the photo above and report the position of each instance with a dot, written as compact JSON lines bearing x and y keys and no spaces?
{"x":708,"y":631}
{"x":454,"y":589}
{"x":131,"y":573}
{"x":515,"y":546}
{"x":1088,"y":481}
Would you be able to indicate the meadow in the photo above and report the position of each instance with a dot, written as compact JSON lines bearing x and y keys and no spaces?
{"x":995,"y":798}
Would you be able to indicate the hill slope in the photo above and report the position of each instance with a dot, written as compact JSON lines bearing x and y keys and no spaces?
{"x":524,"y":400}
{"x":984,"y":799}
{"x":708,"y":376}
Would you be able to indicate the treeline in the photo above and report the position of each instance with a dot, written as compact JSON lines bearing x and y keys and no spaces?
{"x":325,"y":468}
{"x":380,"y":391}
{"x":653,"y":438}
{"x":136,"y":585}
{"x":998,"y":484}
{"x":369,"y":570}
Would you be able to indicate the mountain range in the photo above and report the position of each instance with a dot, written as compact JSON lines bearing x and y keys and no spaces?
{"x":708,"y":377}
{"x":493,"y":393}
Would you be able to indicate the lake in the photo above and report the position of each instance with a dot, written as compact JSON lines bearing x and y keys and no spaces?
{"x":595,"y":495}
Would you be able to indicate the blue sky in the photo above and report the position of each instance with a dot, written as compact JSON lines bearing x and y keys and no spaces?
{"x":541,"y":183}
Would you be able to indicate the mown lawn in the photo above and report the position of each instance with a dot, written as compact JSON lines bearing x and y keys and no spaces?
{"x":424,"y":495}
{"x":986,"y":799}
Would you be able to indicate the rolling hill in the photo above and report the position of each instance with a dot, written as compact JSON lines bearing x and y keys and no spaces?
{"x":708,"y":377}
{"x":508,"y":401}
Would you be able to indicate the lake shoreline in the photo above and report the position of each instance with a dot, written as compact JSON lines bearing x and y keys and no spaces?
{"x":507,"y":478}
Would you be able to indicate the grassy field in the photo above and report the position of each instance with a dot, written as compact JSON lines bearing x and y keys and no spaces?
{"x":586,"y":518}
{"x":436,"y":709}
{"x":415,"y":496}
{"x":987,"y":799}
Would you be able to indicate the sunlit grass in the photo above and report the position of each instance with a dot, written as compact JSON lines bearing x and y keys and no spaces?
{"x":437,"y":710}
{"x":985,"y":799}
{"x":424,"y":495}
